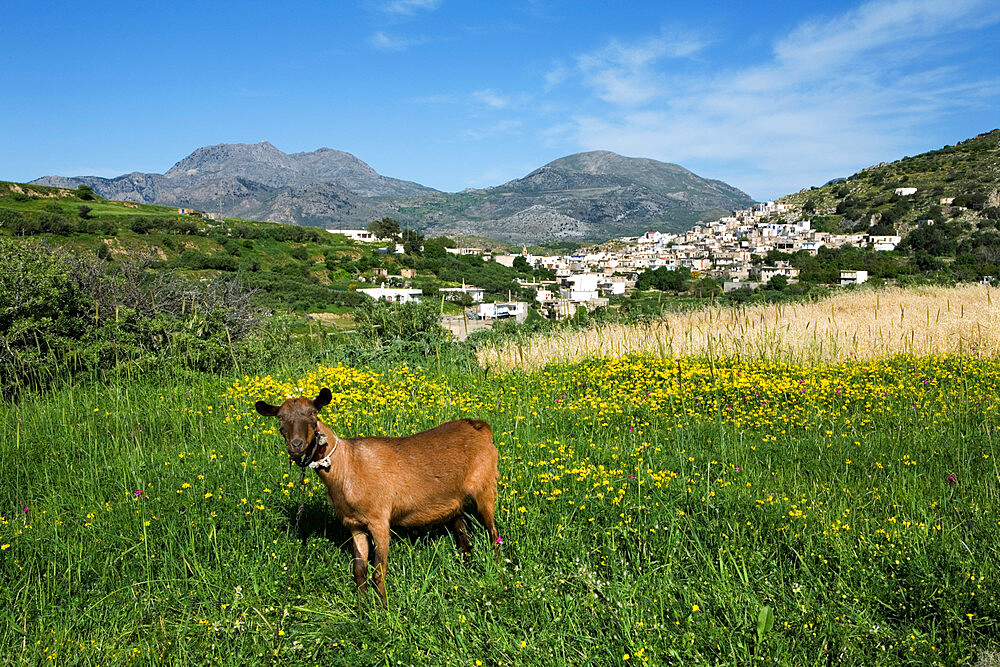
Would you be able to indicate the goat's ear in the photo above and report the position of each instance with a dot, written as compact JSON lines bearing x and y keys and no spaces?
{"x":324,"y":398}
{"x":266,"y":409}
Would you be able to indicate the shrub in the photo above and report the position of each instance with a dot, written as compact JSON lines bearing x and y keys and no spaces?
{"x":63,"y":314}
{"x":140,"y":224}
{"x":42,"y":306}
{"x":415,"y":322}
{"x":53,"y":223}
{"x":16,"y":222}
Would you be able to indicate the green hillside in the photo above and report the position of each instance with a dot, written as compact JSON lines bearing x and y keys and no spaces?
{"x":949,"y":223}
{"x":287,"y":267}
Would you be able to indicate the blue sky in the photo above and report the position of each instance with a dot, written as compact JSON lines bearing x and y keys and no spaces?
{"x":768,"y":96}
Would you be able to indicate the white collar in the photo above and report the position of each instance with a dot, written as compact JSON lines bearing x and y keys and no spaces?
{"x":324,"y":463}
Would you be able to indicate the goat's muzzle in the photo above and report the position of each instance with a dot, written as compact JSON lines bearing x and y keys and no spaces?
{"x":296,"y":448}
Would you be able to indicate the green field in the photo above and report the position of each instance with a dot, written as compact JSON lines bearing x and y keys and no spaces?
{"x":652,"y":511}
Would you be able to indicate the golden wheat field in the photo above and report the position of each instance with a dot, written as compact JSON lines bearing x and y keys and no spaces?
{"x":861,"y":324}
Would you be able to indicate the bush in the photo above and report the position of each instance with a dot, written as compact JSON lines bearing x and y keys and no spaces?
{"x":140,"y":224}
{"x":54,"y":223}
{"x":415,"y":322}
{"x":65,"y":314}
{"x":195,"y":259}
{"x":42,"y":307}
{"x":664,"y":279}
{"x":17,"y":222}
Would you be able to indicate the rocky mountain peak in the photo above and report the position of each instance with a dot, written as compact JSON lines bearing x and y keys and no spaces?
{"x":592,"y":195}
{"x":260,"y":161}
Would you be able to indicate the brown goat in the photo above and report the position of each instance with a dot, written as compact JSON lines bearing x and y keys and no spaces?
{"x":374,"y":483}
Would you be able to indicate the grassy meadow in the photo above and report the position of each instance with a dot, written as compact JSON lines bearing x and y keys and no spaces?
{"x":655,"y":508}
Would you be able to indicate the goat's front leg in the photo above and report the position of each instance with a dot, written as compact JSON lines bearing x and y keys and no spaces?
{"x":380,"y":536}
{"x":360,"y":539}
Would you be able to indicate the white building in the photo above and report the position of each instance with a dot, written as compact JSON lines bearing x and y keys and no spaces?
{"x":612,"y":287}
{"x":581,"y":287}
{"x":392,"y":294}
{"x":543,"y":295}
{"x":466,"y":251}
{"x":362,"y":235}
{"x":884,"y":243}
{"x":812,"y":246}
{"x":779,"y":269}
{"x":503,"y":310}
{"x":851,"y":277}
{"x":475,"y":292}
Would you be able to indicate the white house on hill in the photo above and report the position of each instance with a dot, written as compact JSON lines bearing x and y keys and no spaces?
{"x":853,"y":277}
{"x":362,"y":235}
{"x":581,"y":287}
{"x":391,"y":294}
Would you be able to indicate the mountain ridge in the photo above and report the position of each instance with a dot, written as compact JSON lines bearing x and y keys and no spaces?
{"x":584,"y":196}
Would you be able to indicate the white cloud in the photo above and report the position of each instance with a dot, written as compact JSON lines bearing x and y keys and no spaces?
{"x":837,"y":94}
{"x":384,"y":42}
{"x":556,"y":76}
{"x":625,"y":75}
{"x":410,"y":7}
{"x":491,"y":98}
{"x":498,"y":128}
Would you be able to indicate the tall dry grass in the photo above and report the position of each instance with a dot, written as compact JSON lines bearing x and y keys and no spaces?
{"x":855,"y":324}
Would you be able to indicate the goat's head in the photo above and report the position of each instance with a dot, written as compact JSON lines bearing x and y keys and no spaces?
{"x":299,"y":419}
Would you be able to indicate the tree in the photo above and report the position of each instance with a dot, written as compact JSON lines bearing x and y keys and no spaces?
{"x":707,"y":287}
{"x":84,"y":211}
{"x":85,"y":192}
{"x":434,"y":253}
{"x":778,"y":282}
{"x":664,"y":279}
{"x":386,"y":228}
{"x":413,"y":242}
{"x":882,"y":229}
{"x":461,"y":299}
{"x":444,"y":241}
{"x":140,"y":224}
{"x":521,"y":265}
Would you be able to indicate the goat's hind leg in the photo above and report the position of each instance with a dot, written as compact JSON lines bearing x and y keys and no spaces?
{"x":380,"y":536}
{"x":485,"y":502}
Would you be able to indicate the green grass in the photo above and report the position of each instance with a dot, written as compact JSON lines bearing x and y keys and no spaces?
{"x":646,"y":509}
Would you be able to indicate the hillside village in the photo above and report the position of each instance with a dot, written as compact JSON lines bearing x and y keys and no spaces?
{"x":723,"y":249}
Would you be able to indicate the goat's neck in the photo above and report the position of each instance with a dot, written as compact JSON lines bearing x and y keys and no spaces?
{"x":334,"y":459}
